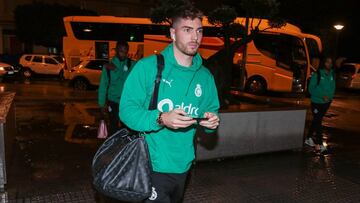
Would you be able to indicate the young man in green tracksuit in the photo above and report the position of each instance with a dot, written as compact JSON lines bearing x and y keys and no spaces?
{"x":322,"y":90}
{"x":119,"y":68}
{"x":187,"y":91}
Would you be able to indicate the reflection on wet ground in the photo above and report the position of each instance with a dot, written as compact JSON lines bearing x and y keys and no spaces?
{"x":56,"y":140}
{"x":81,"y":122}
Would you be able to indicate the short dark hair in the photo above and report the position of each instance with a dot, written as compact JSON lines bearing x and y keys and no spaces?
{"x":186,"y":12}
{"x":122,"y":43}
{"x":323,"y":59}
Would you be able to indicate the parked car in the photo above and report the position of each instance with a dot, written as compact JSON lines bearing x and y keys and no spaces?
{"x":42,"y":64}
{"x":87,"y":73}
{"x":6,"y":70}
{"x":348,"y":76}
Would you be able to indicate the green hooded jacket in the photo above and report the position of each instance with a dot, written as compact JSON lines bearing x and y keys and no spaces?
{"x":326,"y":87}
{"x":189,"y":88}
{"x":118,"y":77}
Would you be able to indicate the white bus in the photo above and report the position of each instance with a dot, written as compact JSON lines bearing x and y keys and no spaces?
{"x":278,"y":59}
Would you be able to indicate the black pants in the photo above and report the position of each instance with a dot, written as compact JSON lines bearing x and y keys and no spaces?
{"x":167,"y":187}
{"x":113,"y":109}
{"x":318,"y":112}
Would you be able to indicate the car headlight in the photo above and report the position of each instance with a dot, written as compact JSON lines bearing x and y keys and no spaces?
{"x":2,"y":68}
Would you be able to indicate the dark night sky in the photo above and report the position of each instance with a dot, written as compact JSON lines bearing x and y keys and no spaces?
{"x":318,"y":17}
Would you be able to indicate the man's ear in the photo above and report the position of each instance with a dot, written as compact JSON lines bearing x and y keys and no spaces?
{"x":172,"y":34}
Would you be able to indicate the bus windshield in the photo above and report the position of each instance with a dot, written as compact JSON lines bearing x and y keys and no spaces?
{"x":314,"y":53}
{"x":288,"y":51}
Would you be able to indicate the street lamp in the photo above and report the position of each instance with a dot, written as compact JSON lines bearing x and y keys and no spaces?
{"x":338,"y":28}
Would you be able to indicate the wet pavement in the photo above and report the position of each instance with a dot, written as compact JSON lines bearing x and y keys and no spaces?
{"x":55,"y":142}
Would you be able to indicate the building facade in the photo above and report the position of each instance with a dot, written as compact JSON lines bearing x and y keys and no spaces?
{"x":9,"y":44}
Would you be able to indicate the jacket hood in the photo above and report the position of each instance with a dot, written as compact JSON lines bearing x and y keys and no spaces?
{"x":170,"y":57}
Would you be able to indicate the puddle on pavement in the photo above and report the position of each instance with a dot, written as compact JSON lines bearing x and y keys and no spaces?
{"x":321,"y":169}
{"x":81,"y":121}
{"x":76,"y":122}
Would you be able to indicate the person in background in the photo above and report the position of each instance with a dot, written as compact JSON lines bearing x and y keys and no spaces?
{"x":322,"y":90}
{"x":112,"y":81}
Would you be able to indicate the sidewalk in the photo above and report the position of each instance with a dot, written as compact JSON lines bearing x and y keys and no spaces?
{"x":279,"y":177}
{"x":48,"y":167}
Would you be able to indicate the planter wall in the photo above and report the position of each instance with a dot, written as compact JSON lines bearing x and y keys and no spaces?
{"x":245,"y":133}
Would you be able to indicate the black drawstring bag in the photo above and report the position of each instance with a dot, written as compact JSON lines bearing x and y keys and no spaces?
{"x":121,"y":167}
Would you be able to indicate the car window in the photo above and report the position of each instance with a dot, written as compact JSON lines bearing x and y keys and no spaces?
{"x":59,"y":59}
{"x":50,"y":61}
{"x":96,"y":64}
{"x":27,"y":58}
{"x":37,"y":59}
{"x":347,"y":69}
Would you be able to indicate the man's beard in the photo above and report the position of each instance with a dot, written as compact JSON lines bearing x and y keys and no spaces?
{"x":184,"y":50}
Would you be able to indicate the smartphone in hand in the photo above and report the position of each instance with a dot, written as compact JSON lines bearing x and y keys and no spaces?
{"x":200,"y":119}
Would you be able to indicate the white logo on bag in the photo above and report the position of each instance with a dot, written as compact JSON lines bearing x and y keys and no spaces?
{"x":153,"y":194}
{"x":198,"y":90}
{"x":189,"y":109}
{"x":167,"y":82}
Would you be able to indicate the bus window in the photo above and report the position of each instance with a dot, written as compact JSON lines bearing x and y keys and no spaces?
{"x":314,"y":53}
{"x":267,"y":44}
{"x":127,"y":32}
{"x":288,"y":51}
{"x":284,"y":53}
{"x":102,"y":50}
{"x":313,"y":47}
{"x":107,"y":31}
{"x":116,"y":31}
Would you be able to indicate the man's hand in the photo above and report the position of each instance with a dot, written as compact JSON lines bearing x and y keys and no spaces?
{"x":177,"y":119}
{"x":212,"y":121}
{"x":326,"y":98}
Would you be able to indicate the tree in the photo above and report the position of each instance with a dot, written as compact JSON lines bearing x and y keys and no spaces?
{"x":224,"y":16}
{"x":220,"y":64}
{"x":163,"y":12}
{"x":42,"y":24}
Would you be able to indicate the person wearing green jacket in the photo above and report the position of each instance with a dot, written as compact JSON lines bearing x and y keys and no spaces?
{"x":110,"y":89}
{"x":187,"y":91}
{"x":322,"y":91}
